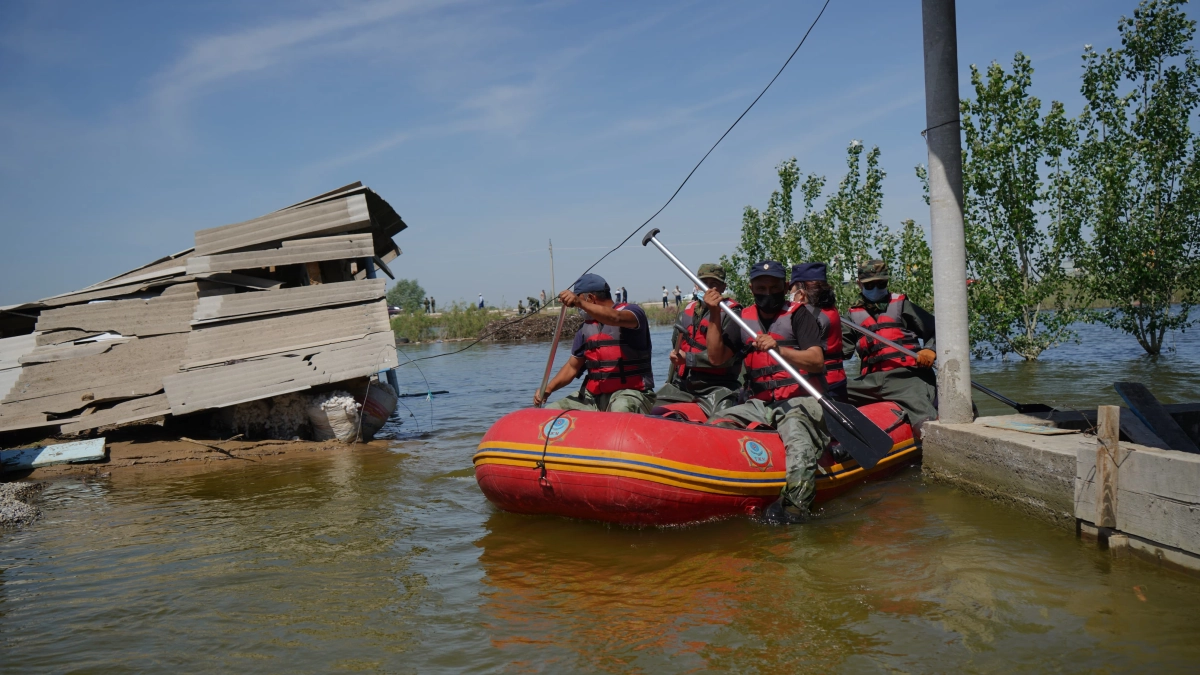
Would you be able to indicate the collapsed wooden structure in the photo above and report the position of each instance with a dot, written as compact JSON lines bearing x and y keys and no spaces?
{"x":278,"y":304}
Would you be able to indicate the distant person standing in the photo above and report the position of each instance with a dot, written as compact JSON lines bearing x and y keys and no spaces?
{"x":520,"y":307}
{"x":426,"y":305}
{"x":542,"y":298}
{"x":624,"y":295}
{"x":481,"y":301}
{"x":678,"y":297}
{"x":666,"y":296}
{"x":432,"y":305}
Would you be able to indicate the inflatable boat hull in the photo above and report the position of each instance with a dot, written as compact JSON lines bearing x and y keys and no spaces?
{"x":650,"y":470}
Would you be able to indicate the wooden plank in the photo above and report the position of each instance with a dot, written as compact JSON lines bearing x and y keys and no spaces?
{"x":1107,"y":464}
{"x":133,"y":410}
{"x":23,"y":459}
{"x":169,"y":313}
{"x":273,"y":375}
{"x":1146,"y":407}
{"x":216,"y":343}
{"x":325,"y":218}
{"x":243,"y":305}
{"x":292,"y":252}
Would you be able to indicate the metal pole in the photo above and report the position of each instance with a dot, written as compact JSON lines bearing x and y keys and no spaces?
{"x":946,"y":210}
{"x":390,"y":374}
{"x":553,"y":288}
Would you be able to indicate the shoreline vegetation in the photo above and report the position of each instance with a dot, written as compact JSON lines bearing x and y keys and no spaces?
{"x":464,"y":322}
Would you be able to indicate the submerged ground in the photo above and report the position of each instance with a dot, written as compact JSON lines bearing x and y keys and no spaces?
{"x":388,"y":558}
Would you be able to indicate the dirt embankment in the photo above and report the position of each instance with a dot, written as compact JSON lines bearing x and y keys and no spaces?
{"x":126,"y":457}
{"x":536,"y":327}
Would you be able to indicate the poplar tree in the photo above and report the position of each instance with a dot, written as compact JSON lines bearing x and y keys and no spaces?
{"x":1019,"y":230}
{"x":1139,"y":158}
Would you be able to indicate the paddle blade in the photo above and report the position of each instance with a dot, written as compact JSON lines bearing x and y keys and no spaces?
{"x":1034,"y":408}
{"x":859,"y":436}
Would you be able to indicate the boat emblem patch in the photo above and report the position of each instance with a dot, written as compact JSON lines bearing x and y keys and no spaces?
{"x":556,"y":428}
{"x":757,"y":454}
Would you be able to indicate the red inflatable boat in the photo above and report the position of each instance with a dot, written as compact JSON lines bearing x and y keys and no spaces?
{"x":655,"y":470}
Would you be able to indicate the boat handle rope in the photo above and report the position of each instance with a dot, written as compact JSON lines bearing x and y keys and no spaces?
{"x":541,"y":463}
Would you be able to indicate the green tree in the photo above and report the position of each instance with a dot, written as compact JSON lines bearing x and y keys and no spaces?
{"x":406,"y":294}
{"x":843,"y":232}
{"x":1018,"y":232}
{"x":910,"y":262}
{"x":1139,"y":159}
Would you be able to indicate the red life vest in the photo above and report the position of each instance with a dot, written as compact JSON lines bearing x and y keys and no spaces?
{"x":693,"y":344}
{"x":767,"y":380}
{"x":611,"y":364}
{"x":831,"y":324}
{"x":875,"y":356}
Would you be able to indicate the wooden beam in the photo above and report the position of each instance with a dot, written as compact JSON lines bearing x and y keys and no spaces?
{"x":1108,"y":462}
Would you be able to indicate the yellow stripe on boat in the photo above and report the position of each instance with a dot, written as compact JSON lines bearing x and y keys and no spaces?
{"x":669,"y":472}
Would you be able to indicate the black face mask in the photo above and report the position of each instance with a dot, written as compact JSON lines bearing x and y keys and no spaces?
{"x":770,"y":303}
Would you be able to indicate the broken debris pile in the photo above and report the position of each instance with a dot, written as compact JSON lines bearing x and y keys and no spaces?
{"x":270,"y":306}
{"x":539,"y":327}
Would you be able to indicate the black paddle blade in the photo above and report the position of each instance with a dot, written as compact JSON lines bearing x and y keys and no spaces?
{"x":1034,"y":408}
{"x":859,"y":436}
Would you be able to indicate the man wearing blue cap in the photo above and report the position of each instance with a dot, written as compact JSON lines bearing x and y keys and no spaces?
{"x":613,"y":347}
{"x":810,"y":287}
{"x":775,"y":399}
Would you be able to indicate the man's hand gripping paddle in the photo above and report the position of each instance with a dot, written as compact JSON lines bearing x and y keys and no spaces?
{"x":859,"y":436}
{"x":1019,"y":407}
{"x":562,"y":315}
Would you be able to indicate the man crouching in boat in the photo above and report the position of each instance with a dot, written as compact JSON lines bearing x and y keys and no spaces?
{"x":695,"y":379}
{"x":776,"y":400}
{"x":613,"y":346}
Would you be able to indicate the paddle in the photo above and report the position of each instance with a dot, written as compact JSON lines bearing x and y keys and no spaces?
{"x":562,"y":315}
{"x":1020,"y":407}
{"x":859,"y":436}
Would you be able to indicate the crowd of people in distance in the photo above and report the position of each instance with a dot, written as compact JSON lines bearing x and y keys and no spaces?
{"x":734,"y":379}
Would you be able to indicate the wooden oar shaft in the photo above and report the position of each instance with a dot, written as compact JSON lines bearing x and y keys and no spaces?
{"x":562,"y":315}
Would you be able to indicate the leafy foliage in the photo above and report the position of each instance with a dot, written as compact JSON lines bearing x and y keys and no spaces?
{"x":1019,"y":300}
{"x":845,"y":231}
{"x":1139,"y":159}
{"x":406,"y":294}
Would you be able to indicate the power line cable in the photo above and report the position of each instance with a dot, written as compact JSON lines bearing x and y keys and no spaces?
{"x":669,"y":200}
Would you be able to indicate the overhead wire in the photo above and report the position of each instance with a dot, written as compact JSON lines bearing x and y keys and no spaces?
{"x":665,"y":204}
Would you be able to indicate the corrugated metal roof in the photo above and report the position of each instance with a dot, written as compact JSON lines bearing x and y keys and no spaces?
{"x":241,"y":305}
{"x":333,"y":217}
{"x":291,"y":252}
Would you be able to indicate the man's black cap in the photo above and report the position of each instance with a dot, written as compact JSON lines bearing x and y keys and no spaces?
{"x":768,"y":268}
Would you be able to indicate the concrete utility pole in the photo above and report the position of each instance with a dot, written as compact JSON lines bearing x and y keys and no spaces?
{"x":946,"y":210}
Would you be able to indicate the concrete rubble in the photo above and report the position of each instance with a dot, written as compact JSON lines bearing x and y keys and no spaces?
{"x":280,"y":304}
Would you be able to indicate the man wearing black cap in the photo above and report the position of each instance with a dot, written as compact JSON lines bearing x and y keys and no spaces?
{"x":613,"y":347}
{"x":811,"y":288}
{"x":695,"y":379}
{"x":775,"y":399}
{"x":888,"y":374}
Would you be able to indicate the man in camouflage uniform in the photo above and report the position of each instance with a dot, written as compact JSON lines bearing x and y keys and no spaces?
{"x":712,"y":386}
{"x":886,"y":374}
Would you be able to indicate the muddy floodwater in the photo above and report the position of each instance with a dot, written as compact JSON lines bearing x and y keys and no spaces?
{"x":390,"y":559}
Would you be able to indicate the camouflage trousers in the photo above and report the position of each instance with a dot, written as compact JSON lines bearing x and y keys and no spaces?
{"x":800,"y":422}
{"x":913,"y":389}
{"x":622,"y":400}
{"x":710,"y":398}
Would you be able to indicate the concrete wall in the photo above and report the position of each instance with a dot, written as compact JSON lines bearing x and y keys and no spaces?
{"x":1034,"y":473}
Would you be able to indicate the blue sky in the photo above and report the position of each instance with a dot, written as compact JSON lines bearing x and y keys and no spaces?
{"x":490,"y":127}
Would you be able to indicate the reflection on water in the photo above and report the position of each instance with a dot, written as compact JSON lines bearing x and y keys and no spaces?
{"x":392,"y":560}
